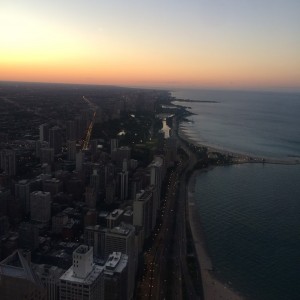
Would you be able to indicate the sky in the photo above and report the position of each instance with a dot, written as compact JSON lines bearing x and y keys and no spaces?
{"x":253,"y":44}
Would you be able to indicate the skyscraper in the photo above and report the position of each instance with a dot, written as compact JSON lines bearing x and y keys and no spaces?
{"x":115,"y":280}
{"x":44,"y":132}
{"x":8,"y":162}
{"x":71,"y":146}
{"x":122,"y":189}
{"x":55,"y":139}
{"x":40,"y":206}
{"x":122,"y":239}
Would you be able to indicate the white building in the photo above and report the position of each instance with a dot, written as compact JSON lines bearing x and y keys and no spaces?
{"x":83,"y":279}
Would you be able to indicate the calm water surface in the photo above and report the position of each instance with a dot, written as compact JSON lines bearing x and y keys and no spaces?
{"x":251,"y":213}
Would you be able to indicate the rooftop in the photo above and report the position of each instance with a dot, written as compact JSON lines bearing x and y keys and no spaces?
{"x":82,"y":249}
{"x":115,"y":214}
{"x":116,"y":263}
{"x":17,"y":266}
{"x":91,"y":277}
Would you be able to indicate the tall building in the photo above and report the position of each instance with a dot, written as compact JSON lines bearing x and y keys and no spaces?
{"x":4,"y":225}
{"x":44,"y":132}
{"x":142,"y":211}
{"x":40,"y":206}
{"x":49,"y":276}
{"x":122,"y":188}
{"x":47,"y":156}
{"x":171,"y":150}
{"x":115,"y":280}
{"x":113,"y":145}
{"x":110,"y":192}
{"x":71,"y":130}
{"x":122,"y":239}
{"x":18,"y":280}
{"x":71,"y":146}
{"x":83,"y":279}
{"x":94,"y":236}
{"x":55,"y":139}
{"x":95,"y":181}
{"x":8,"y":162}
{"x":5,"y":197}
{"x":28,"y":236}
{"x":119,"y":154}
{"x":79,"y":161}
{"x":53,"y":185}
{"x":22,"y":194}
{"x":38,"y":146}
{"x":114,"y":218}
{"x":90,"y":197}
{"x":157,"y":174}
{"x":59,"y":221}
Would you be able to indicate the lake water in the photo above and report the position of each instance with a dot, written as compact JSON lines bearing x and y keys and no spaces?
{"x":250,"y":213}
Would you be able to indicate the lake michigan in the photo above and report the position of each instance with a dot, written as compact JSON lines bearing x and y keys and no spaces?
{"x":250,"y":213}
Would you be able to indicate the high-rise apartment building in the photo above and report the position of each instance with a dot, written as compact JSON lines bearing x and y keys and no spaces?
{"x":44,"y":132}
{"x":8,"y":161}
{"x":94,"y":236}
{"x":55,"y":139}
{"x":122,"y":185}
{"x":122,"y":239}
{"x":71,"y":130}
{"x":71,"y":147}
{"x":28,"y":236}
{"x":115,"y":280}
{"x":47,"y":156}
{"x":142,"y":211}
{"x":40,"y":206}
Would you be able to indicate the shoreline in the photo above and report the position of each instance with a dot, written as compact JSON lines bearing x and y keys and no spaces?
{"x":238,"y":158}
{"x":213,"y":288}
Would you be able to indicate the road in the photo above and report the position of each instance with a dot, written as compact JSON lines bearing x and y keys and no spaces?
{"x":86,"y":141}
{"x":166,"y":270}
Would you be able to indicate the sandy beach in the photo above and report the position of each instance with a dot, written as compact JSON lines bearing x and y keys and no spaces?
{"x":238,"y":158}
{"x":212,"y":287}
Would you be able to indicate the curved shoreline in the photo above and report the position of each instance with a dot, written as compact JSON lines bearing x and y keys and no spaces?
{"x":238,"y":158}
{"x":213,"y":288}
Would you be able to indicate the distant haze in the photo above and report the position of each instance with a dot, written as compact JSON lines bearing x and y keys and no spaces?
{"x":165,"y":43}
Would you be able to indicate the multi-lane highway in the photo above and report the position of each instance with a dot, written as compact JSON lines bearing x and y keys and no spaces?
{"x":166,"y":271}
{"x":86,"y":140}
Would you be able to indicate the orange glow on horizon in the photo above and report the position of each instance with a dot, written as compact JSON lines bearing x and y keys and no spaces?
{"x":116,"y":50}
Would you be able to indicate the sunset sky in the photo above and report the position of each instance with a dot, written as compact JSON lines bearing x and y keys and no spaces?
{"x":163,"y":43}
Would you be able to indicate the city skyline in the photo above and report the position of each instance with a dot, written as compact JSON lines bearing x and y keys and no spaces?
{"x":224,"y":44}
